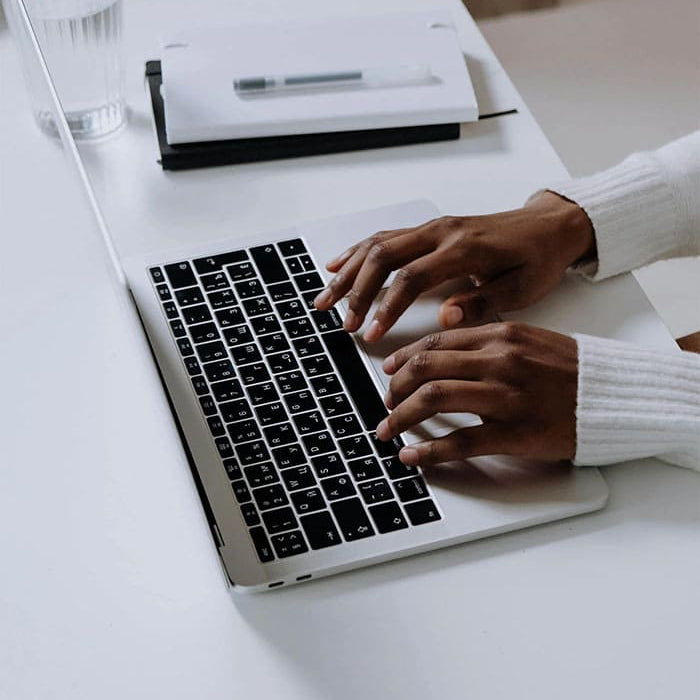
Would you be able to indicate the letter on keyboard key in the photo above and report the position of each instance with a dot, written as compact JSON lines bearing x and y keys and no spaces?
{"x":320,"y":530}
{"x":289,"y":544}
{"x":353,"y":521}
{"x":280,"y":519}
{"x":308,"y":501}
{"x":252,"y":452}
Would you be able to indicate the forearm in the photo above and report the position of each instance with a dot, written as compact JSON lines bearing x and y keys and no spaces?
{"x":633,"y":402}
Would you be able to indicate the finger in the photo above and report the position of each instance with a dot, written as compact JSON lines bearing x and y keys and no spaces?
{"x":382,"y":258}
{"x":485,"y":439}
{"x":410,"y":281}
{"x":430,"y":366}
{"x":469,"y":307}
{"x":439,"y":397}
{"x":337,"y":262}
{"x":341,"y":283}
{"x":507,"y":292}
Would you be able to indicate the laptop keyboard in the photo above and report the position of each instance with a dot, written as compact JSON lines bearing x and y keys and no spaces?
{"x":288,"y":400}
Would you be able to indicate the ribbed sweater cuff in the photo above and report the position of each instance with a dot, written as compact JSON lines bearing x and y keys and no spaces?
{"x":633,"y":211}
{"x":633,"y":402}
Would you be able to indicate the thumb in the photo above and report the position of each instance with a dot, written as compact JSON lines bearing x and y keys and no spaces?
{"x":466,"y":307}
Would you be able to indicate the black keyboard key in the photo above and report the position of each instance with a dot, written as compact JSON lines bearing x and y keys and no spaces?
{"x":227,"y":390}
{"x":318,"y":443}
{"x":356,"y":446}
{"x":282,"y":362}
{"x":309,"y":422}
{"x":326,"y":320}
{"x":262,"y":544}
{"x":196,"y":314}
{"x":353,"y":521}
{"x":290,"y":381}
{"x":216,"y":280}
{"x":299,"y":327}
{"x":257,"y":306}
{"x":269,"y":264}
{"x":363,"y":392}
{"x":262,"y":393}
{"x":163,"y":292}
{"x":327,"y":385}
{"x":344,"y":426}
{"x":277,"y":342}
{"x":208,"y":352}
{"x":320,"y":530}
{"x":300,"y":401}
{"x":185,"y":347}
{"x":217,"y":371}
{"x":252,"y":453}
{"x":279,"y":435}
{"x":204,"y":333}
{"x":298,"y":478}
{"x":317,"y":365}
{"x":243,"y":431}
{"x":308,"y":281}
{"x":208,"y":405}
{"x":279,"y":520}
{"x":289,"y":456}
{"x":268,"y":497}
{"x":306,"y":347}
{"x":421,"y":512}
{"x":222,"y":299}
{"x":233,"y":470}
{"x":240,"y":490}
{"x":216,"y":426}
{"x":199,"y":384}
{"x":254,"y":374}
{"x":170,"y":310}
{"x":250,"y":514}
{"x":290,"y":309}
{"x":250,"y":288}
{"x":376,"y":491}
{"x":157,"y":275}
{"x":328,"y":465}
{"x":308,"y":501}
{"x":294,"y":246}
{"x":335,"y":405}
{"x":265,"y":324}
{"x":229,"y":317}
{"x":192,"y":366}
{"x":245,"y":354}
{"x":216,"y":262}
{"x":307,"y":263}
{"x":240,"y":271}
{"x":232,"y":411}
{"x":282,"y":291}
{"x":261,"y":474}
{"x":177,"y":328}
{"x":365,"y":468}
{"x":396,"y":469}
{"x":386,"y":449}
{"x":295,"y":266}
{"x":271,"y":413}
{"x":388,"y":517}
{"x":238,"y":335}
{"x":189,"y":296}
{"x":289,"y":544}
{"x":412,"y":489}
{"x":224,"y":447}
{"x":336,"y":487}
{"x":180,"y":275}
{"x":309,"y":298}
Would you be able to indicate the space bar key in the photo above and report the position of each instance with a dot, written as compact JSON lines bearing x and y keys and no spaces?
{"x":362,"y":389}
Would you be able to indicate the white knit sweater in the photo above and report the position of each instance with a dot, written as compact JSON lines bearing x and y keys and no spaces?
{"x":634,"y":402}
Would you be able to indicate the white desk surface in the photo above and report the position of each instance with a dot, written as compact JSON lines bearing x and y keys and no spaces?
{"x":109,"y":583}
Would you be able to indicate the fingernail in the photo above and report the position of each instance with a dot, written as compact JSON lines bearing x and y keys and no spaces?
{"x":374,"y":332}
{"x":389,"y":365}
{"x":351,"y":322}
{"x":453,"y":315}
{"x":389,"y":400}
{"x":409,"y":455}
{"x":383,"y":430}
{"x":323,"y":298}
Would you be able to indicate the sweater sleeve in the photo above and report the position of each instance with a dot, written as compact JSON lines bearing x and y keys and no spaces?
{"x":646,"y":208}
{"x":634,"y":402}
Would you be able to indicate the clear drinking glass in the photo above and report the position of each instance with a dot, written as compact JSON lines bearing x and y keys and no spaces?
{"x":81,"y":43}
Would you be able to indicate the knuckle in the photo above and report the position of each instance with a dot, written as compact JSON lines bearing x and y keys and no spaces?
{"x":510,"y":332}
{"x":379,"y":253}
{"x":419,"y":363}
{"x":408,"y":278}
{"x":431,"y":393}
{"x":432,"y":341}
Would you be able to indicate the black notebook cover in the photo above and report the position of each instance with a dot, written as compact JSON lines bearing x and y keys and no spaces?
{"x":208,"y":153}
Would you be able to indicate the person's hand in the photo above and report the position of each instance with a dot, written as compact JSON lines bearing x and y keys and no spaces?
{"x":507,"y":261}
{"x":520,"y":380}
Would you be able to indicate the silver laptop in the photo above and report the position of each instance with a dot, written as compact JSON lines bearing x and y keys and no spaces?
{"x":277,"y":407}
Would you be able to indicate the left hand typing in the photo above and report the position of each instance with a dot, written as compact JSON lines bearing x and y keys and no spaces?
{"x":521,"y":380}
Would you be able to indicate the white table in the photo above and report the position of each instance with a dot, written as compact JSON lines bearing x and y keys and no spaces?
{"x":110,"y":586}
